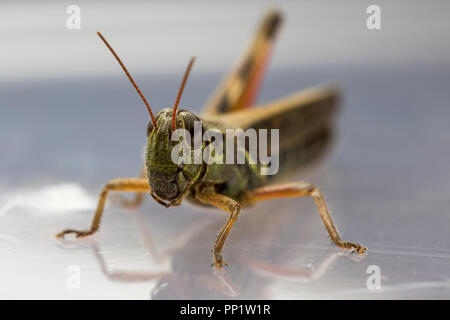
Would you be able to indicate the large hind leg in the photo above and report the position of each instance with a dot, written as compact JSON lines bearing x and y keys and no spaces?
{"x":300,"y":189}
{"x":240,"y":88}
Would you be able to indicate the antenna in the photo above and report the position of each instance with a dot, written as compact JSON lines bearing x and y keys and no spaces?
{"x":180,"y":92}
{"x":129,"y":77}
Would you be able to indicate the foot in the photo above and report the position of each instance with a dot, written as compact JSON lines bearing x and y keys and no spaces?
{"x":78,"y":234}
{"x":360,"y":249}
{"x":219,"y":262}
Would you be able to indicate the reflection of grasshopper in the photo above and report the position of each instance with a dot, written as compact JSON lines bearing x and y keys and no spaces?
{"x":181,"y":274}
{"x":304,"y":122}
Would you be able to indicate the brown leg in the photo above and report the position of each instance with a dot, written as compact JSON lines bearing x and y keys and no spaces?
{"x":225,"y":203}
{"x":134,"y":203}
{"x":300,"y":189}
{"x":124,"y":184}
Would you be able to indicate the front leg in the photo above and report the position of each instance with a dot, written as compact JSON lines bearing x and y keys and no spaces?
{"x":135,"y":202}
{"x":208,"y":196}
{"x":300,"y":189}
{"x":123,"y":184}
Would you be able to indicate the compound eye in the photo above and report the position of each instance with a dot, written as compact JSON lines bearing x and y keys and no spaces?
{"x":149,"y":128}
{"x":189,"y":121}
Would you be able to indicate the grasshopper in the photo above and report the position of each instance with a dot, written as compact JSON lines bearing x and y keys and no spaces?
{"x":304,"y":121}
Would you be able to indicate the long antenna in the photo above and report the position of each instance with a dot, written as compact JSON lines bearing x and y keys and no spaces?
{"x":129,"y":77}
{"x":180,"y":92}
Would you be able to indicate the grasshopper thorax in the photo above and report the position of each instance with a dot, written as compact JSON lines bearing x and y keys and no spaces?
{"x":169,"y":181}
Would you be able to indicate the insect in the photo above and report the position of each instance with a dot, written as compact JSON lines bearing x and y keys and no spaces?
{"x":304,"y":122}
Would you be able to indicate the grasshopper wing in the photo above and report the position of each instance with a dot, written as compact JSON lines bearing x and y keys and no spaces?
{"x":304,"y":121}
{"x":241,"y":86}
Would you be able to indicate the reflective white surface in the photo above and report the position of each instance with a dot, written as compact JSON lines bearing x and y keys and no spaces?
{"x":386,"y":180}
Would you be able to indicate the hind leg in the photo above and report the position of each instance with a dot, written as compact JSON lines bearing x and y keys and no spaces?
{"x":299,"y":189}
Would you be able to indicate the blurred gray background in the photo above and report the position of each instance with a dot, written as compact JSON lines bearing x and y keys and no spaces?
{"x":70,"y":121}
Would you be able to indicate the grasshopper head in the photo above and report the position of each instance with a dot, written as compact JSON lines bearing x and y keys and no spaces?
{"x":168,"y":180}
